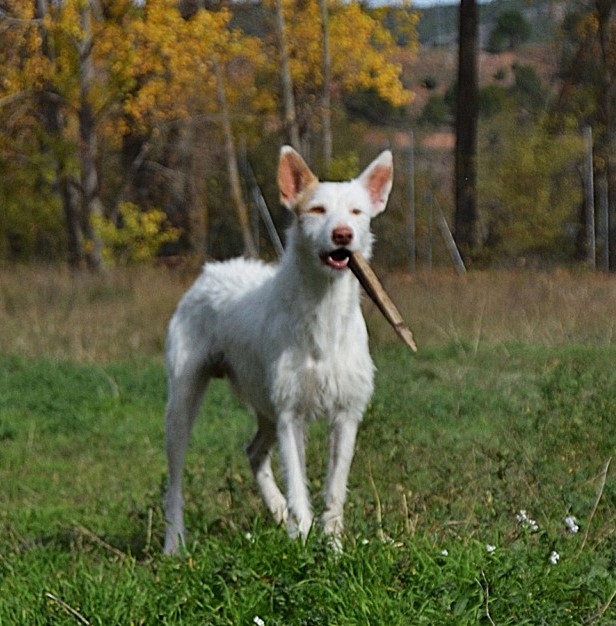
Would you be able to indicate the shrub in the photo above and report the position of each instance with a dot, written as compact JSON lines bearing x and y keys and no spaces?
{"x":528,"y":88}
{"x":436,"y":111}
{"x":492,"y":100}
{"x":344,"y":166}
{"x":528,"y":187}
{"x":138,"y":237}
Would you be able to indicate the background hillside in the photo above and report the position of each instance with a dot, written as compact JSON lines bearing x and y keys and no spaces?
{"x":521,"y":85}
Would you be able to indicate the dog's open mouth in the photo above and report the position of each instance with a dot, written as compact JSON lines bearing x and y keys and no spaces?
{"x":337,"y":259}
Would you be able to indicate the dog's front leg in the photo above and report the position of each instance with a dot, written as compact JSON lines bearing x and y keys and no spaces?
{"x":259,"y":456}
{"x":293,"y":458}
{"x":343,"y":431}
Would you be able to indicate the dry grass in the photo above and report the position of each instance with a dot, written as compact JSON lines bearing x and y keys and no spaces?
{"x":551,"y":308}
{"x":90,"y":319}
{"x":123,"y":315}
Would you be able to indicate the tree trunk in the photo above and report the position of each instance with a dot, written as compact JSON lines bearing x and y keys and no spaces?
{"x":54,"y":126}
{"x":466,"y":132}
{"x":250,"y":248}
{"x":196,"y":213}
{"x":288,"y":98}
{"x":604,"y":10}
{"x":92,"y":204}
{"x":180,"y":193}
{"x":326,"y":111}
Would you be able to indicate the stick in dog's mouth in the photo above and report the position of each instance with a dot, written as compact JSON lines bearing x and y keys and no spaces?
{"x":370,"y":282}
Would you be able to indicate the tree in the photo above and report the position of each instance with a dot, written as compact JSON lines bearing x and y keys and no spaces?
{"x":115,"y":102}
{"x":250,"y":248}
{"x":66,"y":38}
{"x":364,"y":55}
{"x":189,"y":69}
{"x":606,"y":33}
{"x":465,"y":175}
{"x":326,"y":113}
{"x":55,"y":127}
{"x":88,"y":144}
{"x":528,"y":187}
{"x":588,"y":95}
{"x":511,"y":29}
{"x":288,"y":96}
{"x":528,"y":89}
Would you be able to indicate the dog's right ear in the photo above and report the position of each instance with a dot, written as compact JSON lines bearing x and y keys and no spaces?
{"x":294,"y":177}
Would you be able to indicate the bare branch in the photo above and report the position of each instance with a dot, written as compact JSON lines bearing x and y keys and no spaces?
{"x":14,"y":97}
{"x":9,"y":20}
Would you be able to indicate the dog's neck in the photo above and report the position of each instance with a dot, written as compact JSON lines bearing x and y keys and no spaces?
{"x":321,"y":304}
{"x":312,"y":284}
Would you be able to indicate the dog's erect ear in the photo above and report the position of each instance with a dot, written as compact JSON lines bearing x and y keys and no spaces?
{"x":378,"y":178}
{"x":294,"y":177}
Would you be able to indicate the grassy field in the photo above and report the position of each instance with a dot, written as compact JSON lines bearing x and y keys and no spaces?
{"x":509,"y":406}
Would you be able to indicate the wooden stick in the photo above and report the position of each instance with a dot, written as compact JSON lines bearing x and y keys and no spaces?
{"x":370,"y":282}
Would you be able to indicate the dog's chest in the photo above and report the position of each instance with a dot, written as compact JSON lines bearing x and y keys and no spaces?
{"x":322,"y":385}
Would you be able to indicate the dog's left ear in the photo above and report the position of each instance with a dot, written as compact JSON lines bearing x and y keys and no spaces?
{"x":294,"y":177}
{"x":378,"y":179}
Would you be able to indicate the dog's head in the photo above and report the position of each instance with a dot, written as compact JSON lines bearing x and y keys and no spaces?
{"x":334,"y":218}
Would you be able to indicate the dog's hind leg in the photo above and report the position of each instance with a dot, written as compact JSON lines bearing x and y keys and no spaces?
{"x":343,"y":431}
{"x":292,"y":454}
{"x":259,"y":452}
{"x":186,"y":390}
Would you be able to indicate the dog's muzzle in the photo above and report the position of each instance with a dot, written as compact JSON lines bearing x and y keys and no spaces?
{"x":336,"y":259}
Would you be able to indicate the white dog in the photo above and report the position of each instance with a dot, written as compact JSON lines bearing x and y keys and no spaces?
{"x":291,"y":339}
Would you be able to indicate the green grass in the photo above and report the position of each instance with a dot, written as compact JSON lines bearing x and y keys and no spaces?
{"x":456,"y":441}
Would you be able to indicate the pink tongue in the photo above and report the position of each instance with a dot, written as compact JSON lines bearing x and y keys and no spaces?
{"x":337,"y":264}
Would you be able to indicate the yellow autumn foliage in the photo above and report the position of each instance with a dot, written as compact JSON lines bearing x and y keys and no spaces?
{"x":139,"y":238}
{"x":151,"y":68}
{"x":364,"y":54}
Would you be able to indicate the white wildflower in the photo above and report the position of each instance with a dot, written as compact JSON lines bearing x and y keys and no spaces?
{"x":365,"y":541}
{"x":445,"y":552}
{"x":554,"y":557}
{"x":391,"y":541}
{"x":527,"y":522}
{"x":490,"y":548}
{"x":258,"y":621}
{"x":571,"y":524}
{"x":248,"y":536}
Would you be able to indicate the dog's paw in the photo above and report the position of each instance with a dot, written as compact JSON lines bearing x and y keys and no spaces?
{"x":174,"y":544}
{"x":332,"y":523}
{"x":279,"y":510}
{"x":299,"y":527}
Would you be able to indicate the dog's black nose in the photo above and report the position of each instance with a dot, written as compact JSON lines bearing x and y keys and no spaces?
{"x":342,"y":235}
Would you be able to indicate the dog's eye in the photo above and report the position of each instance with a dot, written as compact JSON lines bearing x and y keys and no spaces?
{"x":317,"y":210}
{"x":356,"y":211}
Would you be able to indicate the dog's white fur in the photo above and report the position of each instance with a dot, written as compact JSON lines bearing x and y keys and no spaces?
{"x":291,"y":339}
